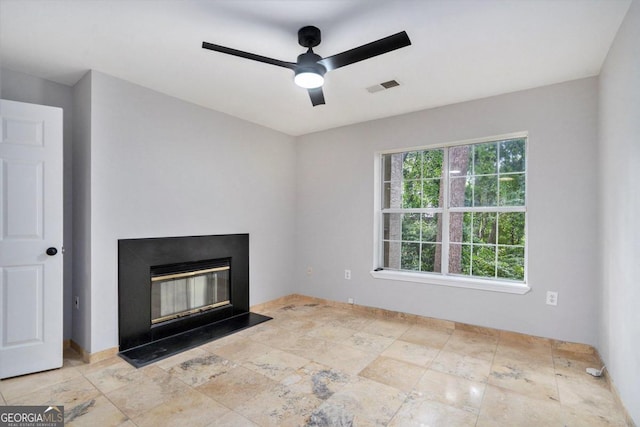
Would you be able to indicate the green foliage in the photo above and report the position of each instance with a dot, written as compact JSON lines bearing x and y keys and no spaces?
{"x":484,"y":227}
{"x":428,"y":260}
{"x":510,"y":263}
{"x":511,"y":228}
{"x":422,"y":172}
{"x":482,"y":234}
{"x":484,"y":261}
{"x":512,"y":155}
{"x":410,"y":256}
{"x":485,"y":158}
{"x":411,"y":227}
{"x":512,"y":189}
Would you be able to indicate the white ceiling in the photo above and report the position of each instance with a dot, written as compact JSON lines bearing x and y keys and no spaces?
{"x":460,"y":50}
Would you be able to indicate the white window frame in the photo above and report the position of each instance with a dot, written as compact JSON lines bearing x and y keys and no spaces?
{"x":443,"y":278}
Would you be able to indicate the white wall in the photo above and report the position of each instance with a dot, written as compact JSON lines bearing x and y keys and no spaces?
{"x":619,"y":128}
{"x":163,"y":167}
{"x":25,"y":88}
{"x":335,"y":190}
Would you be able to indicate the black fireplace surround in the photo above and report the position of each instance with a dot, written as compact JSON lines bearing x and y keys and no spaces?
{"x":136,"y":257}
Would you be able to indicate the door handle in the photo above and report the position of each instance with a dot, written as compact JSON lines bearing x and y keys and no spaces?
{"x":52,"y":251}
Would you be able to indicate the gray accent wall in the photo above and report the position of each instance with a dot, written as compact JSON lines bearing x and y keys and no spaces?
{"x":335,"y":211}
{"x":619,"y":160}
{"x":81,"y":331}
{"x":161,"y":167}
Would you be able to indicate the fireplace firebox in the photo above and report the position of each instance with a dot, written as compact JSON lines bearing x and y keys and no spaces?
{"x":187,"y":289}
{"x":176,"y":293}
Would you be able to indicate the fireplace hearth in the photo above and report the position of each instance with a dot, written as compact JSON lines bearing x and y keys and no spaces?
{"x":176,"y":293}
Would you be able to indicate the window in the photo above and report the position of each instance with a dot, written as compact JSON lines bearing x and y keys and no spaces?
{"x":455,"y":212}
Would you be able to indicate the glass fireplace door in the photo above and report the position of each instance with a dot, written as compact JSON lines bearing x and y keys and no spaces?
{"x":185,"y":293}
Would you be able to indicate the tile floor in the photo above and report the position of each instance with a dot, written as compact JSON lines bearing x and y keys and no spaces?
{"x":317,"y":365}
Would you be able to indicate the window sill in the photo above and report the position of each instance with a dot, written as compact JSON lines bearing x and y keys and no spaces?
{"x":457,"y":282}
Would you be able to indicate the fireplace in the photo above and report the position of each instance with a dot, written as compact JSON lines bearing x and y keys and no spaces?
{"x":175,"y":293}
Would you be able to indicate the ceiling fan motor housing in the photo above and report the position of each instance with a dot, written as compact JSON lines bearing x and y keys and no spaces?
{"x":309,"y":36}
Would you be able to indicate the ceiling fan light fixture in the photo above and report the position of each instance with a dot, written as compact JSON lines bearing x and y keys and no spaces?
{"x":309,"y":79}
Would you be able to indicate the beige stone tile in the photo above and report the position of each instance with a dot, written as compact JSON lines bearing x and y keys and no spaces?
{"x":299,"y":309}
{"x":69,"y":393}
{"x":574,"y":366}
{"x":155,"y":388}
{"x":212,"y":346}
{"x":536,"y":352}
{"x":483,"y":330}
{"x":472,"y":344}
{"x":276,"y":364}
{"x":524,"y":377}
{"x":300,"y":345}
{"x":232,"y":419}
{"x":279,"y":406}
{"x":463,"y":366}
{"x":14,"y":387}
{"x":362,"y":402}
{"x":274,"y":336}
{"x":257,"y":329}
{"x":387,"y":328}
{"x":189,"y":408}
{"x":451,"y":390}
{"x":573,"y":347}
{"x":370,"y":343}
{"x":515,"y":338}
{"x":176,"y":359}
{"x":426,"y":335}
{"x":424,"y":412}
{"x":335,"y":342}
{"x":200,"y":369}
{"x":412,"y":353}
{"x":331,"y":333}
{"x":236,"y":386}
{"x":589,"y":397}
{"x":113,"y":373}
{"x":86,"y":368}
{"x":316,"y":379}
{"x":355,"y":321}
{"x":580,"y":418}
{"x":394,"y":373}
{"x":71,"y":358}
{"x":502,"y":407}
{"x":95,"y":412}
{"x":431,"y":322}
{"x":242,"y":351}
{"x":342,"y":357}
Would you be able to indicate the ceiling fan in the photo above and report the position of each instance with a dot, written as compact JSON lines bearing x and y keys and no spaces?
{"x":310,"y":68}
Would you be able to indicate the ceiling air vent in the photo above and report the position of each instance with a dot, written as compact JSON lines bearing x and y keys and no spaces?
{"x":382,"y":86}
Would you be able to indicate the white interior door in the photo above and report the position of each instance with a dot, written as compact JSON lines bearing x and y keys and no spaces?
{"x":30,"y":232}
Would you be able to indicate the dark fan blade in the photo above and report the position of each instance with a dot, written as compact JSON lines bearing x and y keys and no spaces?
{"x":366,"y":51}
{"x":317,"y":97}
{"x":248,"y":55}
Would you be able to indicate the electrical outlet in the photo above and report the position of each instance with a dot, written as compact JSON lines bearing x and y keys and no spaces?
{"x":350,"y":300}
{"x":552,"y":298}
{"x":76,"y":303}
{"x":347,"y":274}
